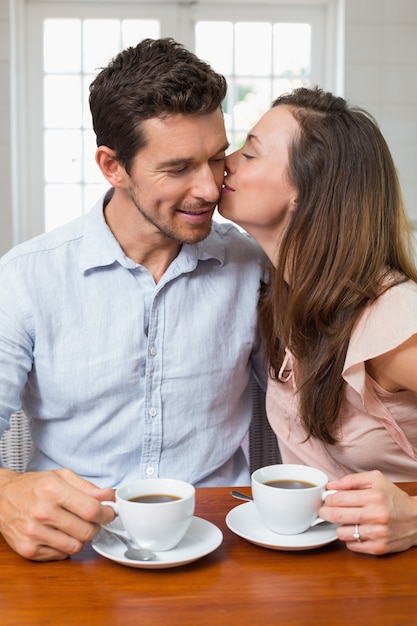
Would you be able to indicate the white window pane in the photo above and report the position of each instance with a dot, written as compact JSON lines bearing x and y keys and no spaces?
{"x":253,"y":48}
{"x":62,"y":102}
{"x":284,"y":85}
{"x":253,"y":99}
{"x":134,"y":31}
{"x":237,"y":139}
{"x":101,"y":39}
{"x":207,"y":37}
{"x":92,"y":173}
{"x":63,"y":153}
{"x":62,"y":45}
{"x":292,"y":49}
{"x":92,"y":193}
{"x":62,"y":204}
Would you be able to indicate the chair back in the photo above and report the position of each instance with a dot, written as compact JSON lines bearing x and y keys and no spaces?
{"x":263,"y":444}
{"x":16,"y":443}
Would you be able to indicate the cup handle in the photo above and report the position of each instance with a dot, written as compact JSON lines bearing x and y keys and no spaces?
{"x":112,"y":505}
{"x":319,"y":520}
{"x":329,"y":493}
{"x":115,"y":531}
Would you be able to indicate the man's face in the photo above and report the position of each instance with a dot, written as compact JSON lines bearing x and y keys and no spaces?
{"x":176,"y":179}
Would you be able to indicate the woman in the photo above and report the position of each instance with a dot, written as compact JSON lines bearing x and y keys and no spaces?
{"x":315,"y":184}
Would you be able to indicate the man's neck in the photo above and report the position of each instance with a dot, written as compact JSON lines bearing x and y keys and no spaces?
{"x":140,"y":240}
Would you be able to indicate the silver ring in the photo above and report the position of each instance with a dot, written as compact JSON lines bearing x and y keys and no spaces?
{"x":356,"y":534}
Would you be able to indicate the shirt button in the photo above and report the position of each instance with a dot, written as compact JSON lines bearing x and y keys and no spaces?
{"x":150,"y":471}
{"x":153,"y":351}
{"x":152,"y":412}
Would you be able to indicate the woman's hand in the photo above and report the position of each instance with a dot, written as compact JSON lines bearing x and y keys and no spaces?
{"x":386,"y":517}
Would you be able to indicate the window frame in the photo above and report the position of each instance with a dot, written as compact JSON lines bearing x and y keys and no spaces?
{"x":178,"y":20}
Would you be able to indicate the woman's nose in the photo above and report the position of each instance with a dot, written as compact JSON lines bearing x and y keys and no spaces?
{"x":229,"y":163}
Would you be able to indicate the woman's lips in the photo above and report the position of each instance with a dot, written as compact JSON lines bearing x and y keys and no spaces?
{"x":226,"y":188}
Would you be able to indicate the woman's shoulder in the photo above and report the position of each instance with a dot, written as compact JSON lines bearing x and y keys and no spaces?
{"x":397,"y":302}
{"x":385,"y":323}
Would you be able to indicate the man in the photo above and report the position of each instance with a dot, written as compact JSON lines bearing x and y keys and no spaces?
{"x":129,"y":335}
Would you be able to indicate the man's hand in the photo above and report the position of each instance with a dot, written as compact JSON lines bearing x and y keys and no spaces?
{"x":49,"y":515}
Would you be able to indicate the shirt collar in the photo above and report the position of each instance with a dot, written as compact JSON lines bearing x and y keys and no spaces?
{"x":100,"y":248}
{"x":212,"y":247}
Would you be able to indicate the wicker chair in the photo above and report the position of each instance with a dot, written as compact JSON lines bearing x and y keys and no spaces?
{"x":263,"y":444}
{"x":16,"y":443}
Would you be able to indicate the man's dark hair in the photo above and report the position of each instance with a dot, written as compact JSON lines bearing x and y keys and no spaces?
{"x":157,"y":78}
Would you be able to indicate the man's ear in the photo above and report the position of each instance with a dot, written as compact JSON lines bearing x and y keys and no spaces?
{"x":111,"y":169}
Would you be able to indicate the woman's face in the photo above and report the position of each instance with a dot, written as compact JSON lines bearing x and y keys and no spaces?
{"x":257,"y":194}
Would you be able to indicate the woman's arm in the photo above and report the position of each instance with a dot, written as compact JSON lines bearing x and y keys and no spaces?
{"x":384,"y":515}
{"x":397,"y":369}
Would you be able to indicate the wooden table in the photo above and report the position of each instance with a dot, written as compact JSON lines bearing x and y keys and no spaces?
{"x":240,"y":583}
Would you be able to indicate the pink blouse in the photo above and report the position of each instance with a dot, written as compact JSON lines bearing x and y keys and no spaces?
{"x":378,"y":429}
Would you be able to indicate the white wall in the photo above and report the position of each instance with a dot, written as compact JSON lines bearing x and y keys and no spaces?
{"x":5,"y":141}
{"x":380,"y":75}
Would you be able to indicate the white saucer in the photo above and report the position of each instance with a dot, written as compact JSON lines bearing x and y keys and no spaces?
{"x":202,"y":538}
{"x":244,"y":520}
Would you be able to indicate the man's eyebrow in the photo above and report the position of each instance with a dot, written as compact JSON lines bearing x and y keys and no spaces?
{"x":225,"y":147}
{"x":174,"y":163}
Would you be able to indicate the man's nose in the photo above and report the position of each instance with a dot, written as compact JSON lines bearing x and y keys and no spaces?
{"x":207,"y":185}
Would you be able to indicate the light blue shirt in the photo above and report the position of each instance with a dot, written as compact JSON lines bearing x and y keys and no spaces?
{"x":121,"y":377}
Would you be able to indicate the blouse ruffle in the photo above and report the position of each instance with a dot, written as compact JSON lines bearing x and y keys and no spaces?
{"x":378,"y":429}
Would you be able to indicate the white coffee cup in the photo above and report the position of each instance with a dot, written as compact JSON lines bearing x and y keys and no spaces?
{"x":157,"y":526}
{"x":286,"y":510}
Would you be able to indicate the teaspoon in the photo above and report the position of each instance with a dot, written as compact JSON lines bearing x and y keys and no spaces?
{"x":136,"y":554}
{"x":241,"y":496}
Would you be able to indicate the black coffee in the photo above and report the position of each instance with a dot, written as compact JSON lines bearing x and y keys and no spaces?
{"x":290,"y":484}
{"x":153,"y":498}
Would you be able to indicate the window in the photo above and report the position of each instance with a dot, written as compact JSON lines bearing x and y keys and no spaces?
{"x":262,"y":51}
{"x":277,"y":60}
{"x":73,"y":49}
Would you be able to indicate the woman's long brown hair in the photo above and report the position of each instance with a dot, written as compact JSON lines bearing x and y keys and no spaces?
{"x":348,"y":241}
